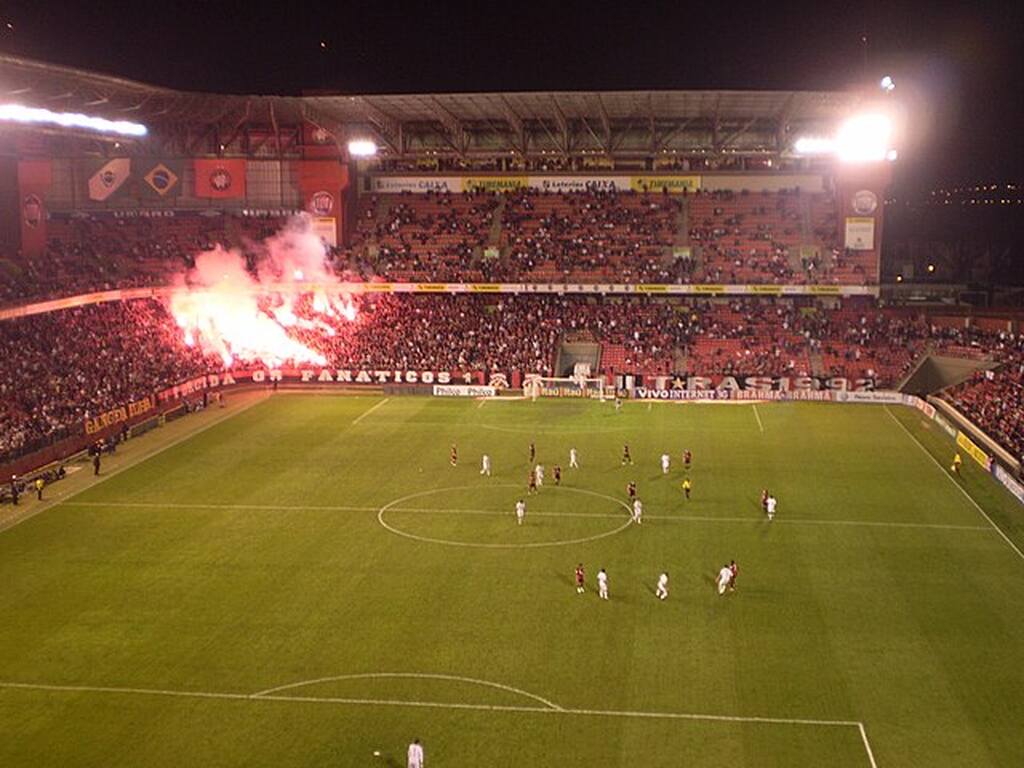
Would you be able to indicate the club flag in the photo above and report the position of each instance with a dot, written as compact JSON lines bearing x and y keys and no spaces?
{"x":109,"y":178}
{"x":219,"y":178}
{"x":162,"y":178}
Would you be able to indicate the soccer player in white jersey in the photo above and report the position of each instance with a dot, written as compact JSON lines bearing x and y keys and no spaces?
{"x":664,"y":463}
{"x":520,"y":511}
{"x":769,"y":507}
{"x":485,"y":465}
{"x":724,"y":578}
{"x":638,"y":511}
{"x":538,"y":473}
{"x":662,"y":591}
{"x":415,"y":754}
{"x":602,"y":584}
{"x":573,"y":463}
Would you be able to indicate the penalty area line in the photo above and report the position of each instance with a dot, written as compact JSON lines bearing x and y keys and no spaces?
{"x":760,"y":424}
{"x":957,"y":485}
{"x":867,"y":745}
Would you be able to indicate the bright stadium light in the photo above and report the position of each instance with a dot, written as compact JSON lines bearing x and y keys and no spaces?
{"x":887,"y":84}
{"x":813,"y":145}
{"x":19,"y":113}
{"x":362,"y":148}
{"x":863,"y":138}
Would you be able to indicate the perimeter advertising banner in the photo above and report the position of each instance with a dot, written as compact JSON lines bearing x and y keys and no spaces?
{"x":675,"y":185}
{"x":971,"y":449}
{"x":487,"y":383}
{"x":703,"y":395}
{"x":655,"y":184}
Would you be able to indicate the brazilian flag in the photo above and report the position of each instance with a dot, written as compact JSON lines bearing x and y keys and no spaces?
{"x":161,"y":178}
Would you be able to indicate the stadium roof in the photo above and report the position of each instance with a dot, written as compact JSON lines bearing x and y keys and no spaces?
{"x":607,"y":122}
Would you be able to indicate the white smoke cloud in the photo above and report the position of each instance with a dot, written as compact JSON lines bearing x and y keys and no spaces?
{"x":238,"y":316}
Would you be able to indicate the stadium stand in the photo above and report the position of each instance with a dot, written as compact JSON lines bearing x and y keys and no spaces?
{"x":589,"y":236}
{"x":69,"y":365}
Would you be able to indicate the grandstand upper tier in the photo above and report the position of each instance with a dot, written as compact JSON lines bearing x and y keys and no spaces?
{"x":694,"y":188}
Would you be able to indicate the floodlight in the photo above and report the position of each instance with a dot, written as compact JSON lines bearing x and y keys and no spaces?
{"x":814,"y":145}
{"x":19,"y":113}
{"x":887,"y":84}
{"x":362,"y":148}
{"x":864,"y":138}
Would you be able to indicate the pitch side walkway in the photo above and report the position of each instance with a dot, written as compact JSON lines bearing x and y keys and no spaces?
{"x":130,"y":453}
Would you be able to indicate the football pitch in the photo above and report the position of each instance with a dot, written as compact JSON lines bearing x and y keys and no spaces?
{"x":309,"y":582}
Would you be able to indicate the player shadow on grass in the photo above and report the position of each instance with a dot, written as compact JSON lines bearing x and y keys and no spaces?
{"x":570,"y":579}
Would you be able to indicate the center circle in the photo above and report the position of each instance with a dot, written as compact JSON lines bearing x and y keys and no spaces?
{"x":492,"y":545}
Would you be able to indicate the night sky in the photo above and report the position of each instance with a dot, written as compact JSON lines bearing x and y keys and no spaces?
{"x":957,"y":67}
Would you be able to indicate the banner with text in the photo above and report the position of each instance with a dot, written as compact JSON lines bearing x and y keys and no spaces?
{"x":860,"y":233}
{"x":854,"y":388}
{"x":120,"y":414}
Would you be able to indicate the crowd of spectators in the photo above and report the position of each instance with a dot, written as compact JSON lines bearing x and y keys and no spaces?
{"x":87,"y":254}
{"x":994,"y":399}
{"x":579,"y":236}
{"x":592,"y":235}
{"x":63,"y":367}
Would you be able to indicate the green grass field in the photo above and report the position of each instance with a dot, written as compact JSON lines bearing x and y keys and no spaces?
{"x":235,"y":600}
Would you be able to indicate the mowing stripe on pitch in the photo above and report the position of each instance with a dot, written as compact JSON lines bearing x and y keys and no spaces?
{"x":502,"y":513}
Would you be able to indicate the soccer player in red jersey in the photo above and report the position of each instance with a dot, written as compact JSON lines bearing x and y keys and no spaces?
{"x":764,"y":500}
{"x":687,"y":458}
{"x":631,"y":490}
{"x":626,"y":458}
{"x":557,"y":471}
{"x":580,"y":589}
{"x":532,"y":487}
{"x":735,"y":572}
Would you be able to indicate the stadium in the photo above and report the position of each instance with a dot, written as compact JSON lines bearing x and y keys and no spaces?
{"x":538,"y":428}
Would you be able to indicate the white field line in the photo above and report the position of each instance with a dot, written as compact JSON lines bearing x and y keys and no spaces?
{"x":760,"y":424}
{"x":12,"y":520}
{"x":699,"y":519}
{"x":191,"y":505}
{"x":409,"y":675}
{"x":867,"y":745}
{"x":501,"y":513}
{"x":957,"y":485}
{"x":482,"y":403}
{"x":370,"y":410}
{"x":555,"y":710}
